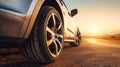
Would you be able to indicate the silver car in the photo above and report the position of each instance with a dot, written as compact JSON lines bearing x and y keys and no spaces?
{"x":39,"y":27}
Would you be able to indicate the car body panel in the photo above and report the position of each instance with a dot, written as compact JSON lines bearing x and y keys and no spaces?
{"x":18,"y":22}
{"x":10,"y":23}
{"x":20,"y":6}
{"x":31,"y":17}
{"x":69,"y":24}
{"x":14,"y":21}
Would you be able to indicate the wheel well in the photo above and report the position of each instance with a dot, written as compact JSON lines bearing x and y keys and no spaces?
{"x":54,"y":4}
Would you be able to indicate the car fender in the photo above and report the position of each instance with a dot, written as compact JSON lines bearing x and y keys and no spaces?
{"x":30,"y":18}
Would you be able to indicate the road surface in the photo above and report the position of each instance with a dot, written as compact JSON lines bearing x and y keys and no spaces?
{"x":91,"y":53}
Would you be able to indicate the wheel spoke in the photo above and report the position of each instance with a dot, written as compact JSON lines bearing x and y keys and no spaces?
{"x":60,"y":44}
{"x":54,"y":20}
{"x":49,"y":42}
{"x":56,"y":48}
{"x":59,"y":35}
{"x":59,"y":27}
{"x":49,"y":30}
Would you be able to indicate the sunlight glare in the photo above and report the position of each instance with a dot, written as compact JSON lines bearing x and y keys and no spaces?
{"x":94,"y":30}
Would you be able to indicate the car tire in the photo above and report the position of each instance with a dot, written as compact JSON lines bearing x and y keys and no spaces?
{"x":77,"y":40}
{"x":45,"y":42}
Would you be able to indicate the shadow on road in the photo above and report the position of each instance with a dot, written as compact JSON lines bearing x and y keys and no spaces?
{"x":91,"y":53}
{"x":11,"y":57}
{"x":24,"y":64}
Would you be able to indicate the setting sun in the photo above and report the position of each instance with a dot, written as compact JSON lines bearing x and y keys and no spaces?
{"x":94,"y":30}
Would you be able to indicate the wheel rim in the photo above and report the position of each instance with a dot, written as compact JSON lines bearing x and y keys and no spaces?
{"x":77,"y":40}
{"x":54,"y":39}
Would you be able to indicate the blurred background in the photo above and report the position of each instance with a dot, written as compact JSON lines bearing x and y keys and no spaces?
{"x":97,"y":18}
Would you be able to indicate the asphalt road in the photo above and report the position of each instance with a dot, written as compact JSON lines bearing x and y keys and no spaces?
{"x":91,"y":53}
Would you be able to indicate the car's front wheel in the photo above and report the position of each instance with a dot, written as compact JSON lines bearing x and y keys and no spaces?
{"x":46,"y":40}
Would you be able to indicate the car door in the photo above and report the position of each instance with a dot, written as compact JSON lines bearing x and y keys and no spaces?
{"x":70,"y":25}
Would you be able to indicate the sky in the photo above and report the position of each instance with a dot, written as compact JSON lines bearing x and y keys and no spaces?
{"x":97,"y":17}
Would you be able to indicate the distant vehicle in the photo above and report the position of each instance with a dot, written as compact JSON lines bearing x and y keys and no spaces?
{"x":39,"y":26}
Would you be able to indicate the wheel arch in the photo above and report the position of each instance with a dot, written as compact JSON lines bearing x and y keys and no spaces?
{"x":53,"y":3}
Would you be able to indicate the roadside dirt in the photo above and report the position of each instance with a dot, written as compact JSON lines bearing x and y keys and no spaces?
{"x":86,"y":55}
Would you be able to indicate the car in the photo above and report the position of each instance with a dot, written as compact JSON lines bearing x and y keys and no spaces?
{"x":38,"y":27}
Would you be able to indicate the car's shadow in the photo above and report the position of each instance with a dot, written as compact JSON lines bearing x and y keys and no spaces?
{"x":24,"y":64}
{"x":29,"y":64}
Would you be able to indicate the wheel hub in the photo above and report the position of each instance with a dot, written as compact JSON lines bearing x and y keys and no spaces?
{"x":55,"y":37}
